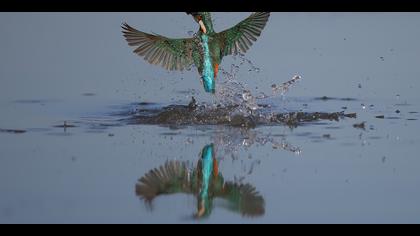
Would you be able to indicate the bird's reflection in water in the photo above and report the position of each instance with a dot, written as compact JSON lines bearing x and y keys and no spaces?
{"x":205,"y":182}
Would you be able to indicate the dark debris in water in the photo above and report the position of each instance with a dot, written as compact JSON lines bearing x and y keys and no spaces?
{"x":296,"y":118}
{"x":12,"y":131}
{"x":326,"y":136}
{"x":325,"y":98}
{"x":65,"y":125}
{"x":146,"y":103}
{"x":360,"y":125}
{"x":88,"y":94}
{"x":28,"y":101}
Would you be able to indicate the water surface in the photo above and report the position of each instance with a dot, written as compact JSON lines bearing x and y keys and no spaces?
{"x":81,"y":121}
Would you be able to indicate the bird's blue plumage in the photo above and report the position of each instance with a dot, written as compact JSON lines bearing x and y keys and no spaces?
{"x":207,"y":169}
{"x":208,"y":72}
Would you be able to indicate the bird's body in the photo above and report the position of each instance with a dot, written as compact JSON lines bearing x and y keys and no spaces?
{"x":209,"y":66}
{"x":205,"y":50}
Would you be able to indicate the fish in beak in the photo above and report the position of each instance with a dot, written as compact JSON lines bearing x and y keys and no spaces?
{"x":202,"y":26}
{"x":198,"y":18}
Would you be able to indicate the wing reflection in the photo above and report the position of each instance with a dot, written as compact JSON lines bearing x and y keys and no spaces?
{"x":203,"y":181}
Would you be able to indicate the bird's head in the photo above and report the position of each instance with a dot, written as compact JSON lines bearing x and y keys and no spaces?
{"x":203,"y":19}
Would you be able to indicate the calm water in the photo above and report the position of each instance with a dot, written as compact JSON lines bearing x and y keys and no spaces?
{"x":71,"y":153}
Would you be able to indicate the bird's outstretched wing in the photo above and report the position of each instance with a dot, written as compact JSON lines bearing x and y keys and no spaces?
{"x":243,"y":198}
{"x":172,"y":54}
{"x":241,"y":36}
{"x":173,"y":177}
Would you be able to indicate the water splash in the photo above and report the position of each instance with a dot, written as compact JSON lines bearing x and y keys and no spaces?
{"x":232,"y":92}
{"x":235,"y":105}
{"x":284,"y":87}
{"x":232,"y":140}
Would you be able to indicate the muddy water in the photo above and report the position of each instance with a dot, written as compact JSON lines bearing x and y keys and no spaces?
{"x":79,"y":146}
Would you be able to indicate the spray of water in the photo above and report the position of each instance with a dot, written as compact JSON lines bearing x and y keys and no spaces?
{"x":230,"y":141}
{"x":232,"y":92}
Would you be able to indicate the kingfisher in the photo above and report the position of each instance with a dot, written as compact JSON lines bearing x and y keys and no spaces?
{"x":205,"y":182}
{"x":205,"y":50}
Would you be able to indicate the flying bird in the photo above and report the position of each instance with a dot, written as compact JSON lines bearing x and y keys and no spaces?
{"x":205,"y":50}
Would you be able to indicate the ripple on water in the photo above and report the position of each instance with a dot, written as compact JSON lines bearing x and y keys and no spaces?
{"x":207,"y":114}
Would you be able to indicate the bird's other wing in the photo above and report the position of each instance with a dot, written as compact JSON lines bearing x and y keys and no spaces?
{"x":172,"y":177}
{"x":243,"y":198}
{"x":172,"y":54}
{"x":241,"y":36}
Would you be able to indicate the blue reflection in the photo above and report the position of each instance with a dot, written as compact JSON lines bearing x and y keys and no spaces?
{"x":205,"y":182}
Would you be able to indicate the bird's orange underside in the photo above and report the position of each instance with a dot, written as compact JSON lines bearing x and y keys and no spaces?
{"x":216,"y":70}
{"x":215,"y":168}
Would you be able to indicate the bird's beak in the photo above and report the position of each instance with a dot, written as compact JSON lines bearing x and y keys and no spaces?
{"x":201,"y":210}
{"x":202,"y":26}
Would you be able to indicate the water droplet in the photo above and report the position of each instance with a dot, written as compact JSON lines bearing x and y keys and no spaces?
{"x":383,"y":159}
{"x":189,"y":141}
